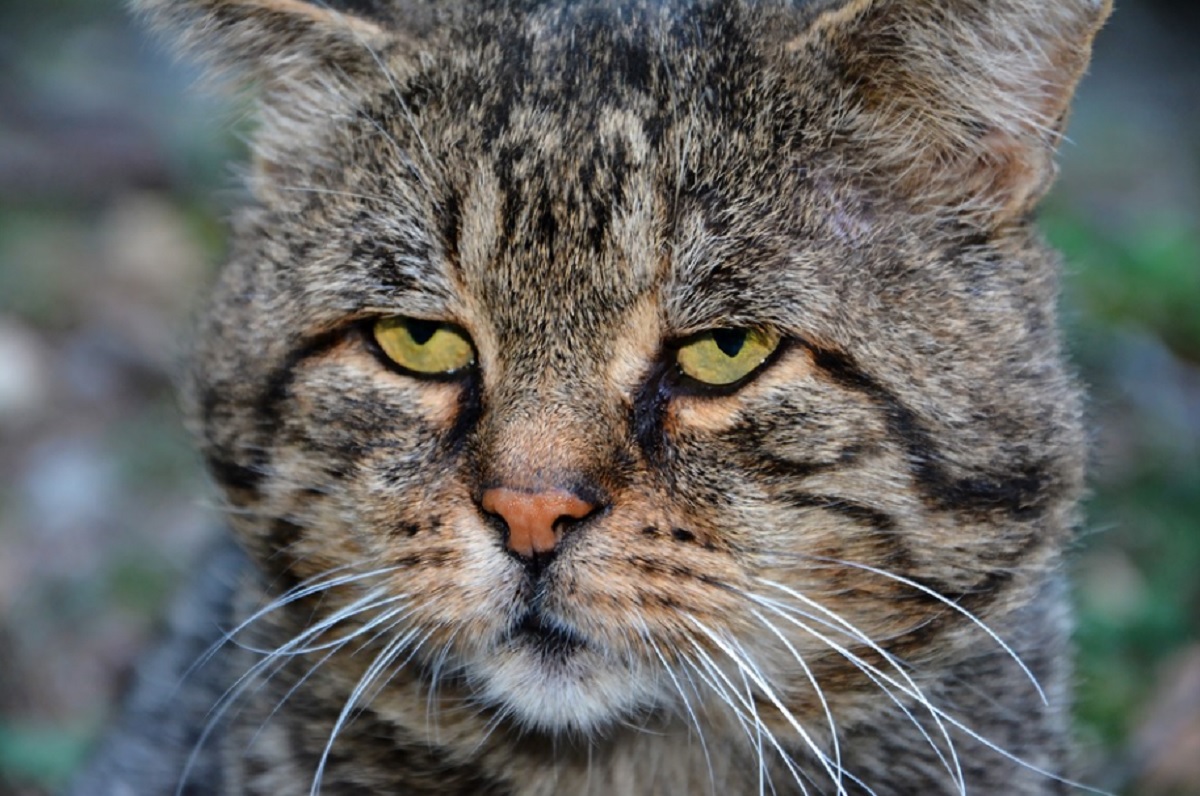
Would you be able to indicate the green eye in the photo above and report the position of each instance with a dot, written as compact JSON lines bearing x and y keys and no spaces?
{"x":424,"y":347}
{"x":724,"y":356}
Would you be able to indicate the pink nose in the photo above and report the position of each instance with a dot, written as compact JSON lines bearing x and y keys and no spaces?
{"x":535,"y":520}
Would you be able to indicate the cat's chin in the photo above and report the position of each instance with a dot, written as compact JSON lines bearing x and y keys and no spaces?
{"x":559,"y":685}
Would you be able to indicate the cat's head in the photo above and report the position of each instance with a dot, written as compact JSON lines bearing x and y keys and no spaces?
{"x":598,"y":352}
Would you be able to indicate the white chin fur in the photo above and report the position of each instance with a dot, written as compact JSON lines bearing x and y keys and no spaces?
{"x":581,"y":693}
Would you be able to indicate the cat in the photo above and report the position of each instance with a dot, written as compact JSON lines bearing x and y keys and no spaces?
{"x":631,"y":397}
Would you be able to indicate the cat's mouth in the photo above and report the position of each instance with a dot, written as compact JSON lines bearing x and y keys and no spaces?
{"x":550,"y":677}
{"x":551,"y":638}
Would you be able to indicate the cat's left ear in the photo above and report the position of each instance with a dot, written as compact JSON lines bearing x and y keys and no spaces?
{"x":956,"y":105}
{"x":276,"y":46}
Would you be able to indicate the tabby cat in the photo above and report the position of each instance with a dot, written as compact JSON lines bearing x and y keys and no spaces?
{"x":630,"y":397}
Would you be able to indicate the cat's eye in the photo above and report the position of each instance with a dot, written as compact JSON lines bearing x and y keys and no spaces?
{"x":721,"y":357}
{"x":428,"y":348}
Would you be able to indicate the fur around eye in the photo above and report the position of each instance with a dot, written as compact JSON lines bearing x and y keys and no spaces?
{"x":422,"y":347}
{"x":721,"y":357}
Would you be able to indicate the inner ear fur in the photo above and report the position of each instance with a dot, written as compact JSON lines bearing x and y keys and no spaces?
{"x":274,"y":44}
{"x":956,"y":105}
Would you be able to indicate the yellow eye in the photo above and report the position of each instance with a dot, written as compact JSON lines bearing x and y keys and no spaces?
{"x":724,"y":356}
{"x":425,"y":347}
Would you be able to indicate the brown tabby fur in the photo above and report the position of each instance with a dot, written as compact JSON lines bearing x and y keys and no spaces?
{"x":579,"y":187}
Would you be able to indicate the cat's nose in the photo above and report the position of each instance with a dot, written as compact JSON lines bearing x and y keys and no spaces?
{"x":536,"y":520}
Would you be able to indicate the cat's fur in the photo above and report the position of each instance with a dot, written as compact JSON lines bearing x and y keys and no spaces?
{"x":579,"y":187}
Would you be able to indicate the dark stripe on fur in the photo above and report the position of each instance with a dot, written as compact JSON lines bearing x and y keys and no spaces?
{"x":280,"y":381}
{"x":863,"y":515}
{"x":247,"y":476}
{"x":649,"y":409}
{"x":234,"y":477}
{"x":772,"y":466}
{"x":1017,"y":492}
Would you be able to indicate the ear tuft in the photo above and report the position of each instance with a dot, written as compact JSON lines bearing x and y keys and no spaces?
{"x":957,"y":104}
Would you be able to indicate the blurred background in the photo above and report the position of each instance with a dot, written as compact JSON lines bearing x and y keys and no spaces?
{"x":115,"y":178}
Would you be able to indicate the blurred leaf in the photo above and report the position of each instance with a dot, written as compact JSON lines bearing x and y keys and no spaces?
{"x":39,"y":755}
{"x":1147,"y":276}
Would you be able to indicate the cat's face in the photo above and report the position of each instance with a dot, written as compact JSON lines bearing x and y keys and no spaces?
{"x":612,"y":356}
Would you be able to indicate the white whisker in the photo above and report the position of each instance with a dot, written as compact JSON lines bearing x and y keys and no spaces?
{"x":744,"y":664}
{"x":384,"y":618}
{"x":730,"y":693}
{"x":914,"y":690}
{"x":382,"y":661}
{"x":833,"y":734}
{"x":687,"y":706}
{"x":952,"y":605}
{"x":751,"y":733}
{"x":304,"y":589}
{"x":954,"y":769}
{"x":234,"y":692}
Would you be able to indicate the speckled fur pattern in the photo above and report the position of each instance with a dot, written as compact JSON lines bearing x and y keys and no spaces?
{"x":841,"y":577}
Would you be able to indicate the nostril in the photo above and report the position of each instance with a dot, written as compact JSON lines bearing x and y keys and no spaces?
{"x":535,"y":520}
{"x":567,"y":521}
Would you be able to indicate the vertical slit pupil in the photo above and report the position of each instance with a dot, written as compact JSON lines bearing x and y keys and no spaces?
{"x":420,"y":331}
{"x":730,"y":341}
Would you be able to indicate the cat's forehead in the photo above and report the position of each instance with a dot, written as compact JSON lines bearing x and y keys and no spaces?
{"x":550,"y":173}
{"x":577,"y":147}
{"x":557,"y":217}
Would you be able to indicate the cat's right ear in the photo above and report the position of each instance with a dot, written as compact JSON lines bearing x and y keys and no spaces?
{"x":277,"y":46}
{"x":957,"y":105}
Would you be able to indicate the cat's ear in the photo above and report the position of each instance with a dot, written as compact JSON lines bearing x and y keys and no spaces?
{"x":272,"y":44}
{"x":957,"y":104}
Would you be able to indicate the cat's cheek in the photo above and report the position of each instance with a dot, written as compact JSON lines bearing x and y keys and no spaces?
{"x":702,"y":414}
{"x":458,"y":593}
{"x":436,"y":402}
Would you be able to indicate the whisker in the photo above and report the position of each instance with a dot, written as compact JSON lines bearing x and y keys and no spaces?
{"x":752,"y":711}
{"x":435,"y":674}
{"x":953,"y":606}
{"x":332,"y":649}
{"x":738,"y":714}
{"x":499,"y":717}
{"x":279,"y":705}
{"x":326,"y":624}
{"x":381,"y":662}
{"x":304,"y":589}
{"x":833,"y":735}
{"x":383,"y":618}
{"x":687,"y":706}
{"x":744,"y":664}
{"x":235,"y":691}
{"x":940,"y":715}
{"x":764,"y":781}
{"x":955,"y":770}
{"x":916,"y":691}
{"x":383,"y":683}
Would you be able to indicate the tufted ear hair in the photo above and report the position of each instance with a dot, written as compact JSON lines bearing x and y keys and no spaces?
{"x":956,"y":105}
{"x":278,"y":45}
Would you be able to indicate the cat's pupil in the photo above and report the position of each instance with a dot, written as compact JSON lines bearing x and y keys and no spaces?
{"x":420,"y":331}
{"x":730,"y":341}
